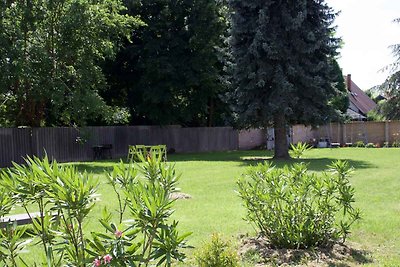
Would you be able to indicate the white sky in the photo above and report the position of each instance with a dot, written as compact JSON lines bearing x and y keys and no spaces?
{"x":367,"y":29}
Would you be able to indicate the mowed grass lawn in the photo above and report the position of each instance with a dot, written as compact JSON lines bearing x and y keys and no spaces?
{"x":210,"y":178}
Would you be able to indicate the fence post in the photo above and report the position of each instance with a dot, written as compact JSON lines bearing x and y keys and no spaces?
{"x":344,"y":134}
{"x":387,"y":131}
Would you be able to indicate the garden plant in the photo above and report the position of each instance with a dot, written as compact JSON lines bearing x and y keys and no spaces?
{"x":294,"y":208}
{"x":65,"y":197}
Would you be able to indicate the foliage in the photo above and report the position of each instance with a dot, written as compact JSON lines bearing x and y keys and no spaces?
{"x":282,"y":53}
{"x":386,"y":144}
{"x":49,"y":58}
{"x":340,"y":101}
{"x":294,"y":208}
{"x":65,"y":197}
{"x":299,"y":149}
{"x":54,"y":189}
{"x":359,"y":144}
{"x":390,"y":87}
{"x":370,"y":145}
{"x":149,"y":237}
{"x":375,"y":115}
{"x":396,"y":143}
{"x":390,"y":90}
{"x":171,"y":73}
{"x":217,"y":252}
{"x":11,"y":244}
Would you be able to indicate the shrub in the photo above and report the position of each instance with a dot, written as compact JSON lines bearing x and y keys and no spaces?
{"x":396,"y":144}
{"x":150,"y":238}
{"x":217,"y":253}
{"x":359,"y":144}
{"x":298,"y":150}
{"x":143,"y":189}
{"x":370,"y":145}
{"x":294,"y":208}
{"x":386,"y":144}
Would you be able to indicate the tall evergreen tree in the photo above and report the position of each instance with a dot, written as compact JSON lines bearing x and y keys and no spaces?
{"x":170,"y":73}
{"x":282,"y":51}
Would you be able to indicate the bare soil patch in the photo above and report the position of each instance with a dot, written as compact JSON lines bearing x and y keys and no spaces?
{"x":260,"y":253}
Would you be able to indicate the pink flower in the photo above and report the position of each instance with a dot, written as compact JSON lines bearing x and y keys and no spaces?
{"x":97,"y":262}
{"x":107,"y":258}
{"x":118,"y":234}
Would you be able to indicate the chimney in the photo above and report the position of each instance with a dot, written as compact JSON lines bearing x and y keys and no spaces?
{"x":348,"y":82}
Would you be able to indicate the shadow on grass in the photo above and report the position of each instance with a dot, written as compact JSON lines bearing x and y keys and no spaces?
{"x":245,"y":158}
{"x":314,"y":164}
{"x":96,"y":167}
{"x":254,"y":157}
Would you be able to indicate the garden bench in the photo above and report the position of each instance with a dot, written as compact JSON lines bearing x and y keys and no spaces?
{"x":20,"y":219}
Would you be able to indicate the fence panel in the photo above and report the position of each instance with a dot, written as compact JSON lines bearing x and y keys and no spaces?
{"x":367,"y":132}
{"x":62,"y":143}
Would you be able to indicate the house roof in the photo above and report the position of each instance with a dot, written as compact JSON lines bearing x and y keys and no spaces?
{"x":359,"y":98}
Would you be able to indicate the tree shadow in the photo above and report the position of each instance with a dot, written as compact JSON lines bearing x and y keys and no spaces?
{"x":253,"y":157}
{"x":314,"y":164}
{"x":96,"y":167}
{"x":245,"y":158}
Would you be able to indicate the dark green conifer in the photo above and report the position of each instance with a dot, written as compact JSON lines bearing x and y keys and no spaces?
{"x":282,"y":51}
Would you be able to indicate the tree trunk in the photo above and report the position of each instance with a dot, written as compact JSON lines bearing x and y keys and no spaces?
{"x":281,"y":143}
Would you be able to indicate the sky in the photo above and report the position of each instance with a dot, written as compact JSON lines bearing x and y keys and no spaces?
{"x":367,"y":30}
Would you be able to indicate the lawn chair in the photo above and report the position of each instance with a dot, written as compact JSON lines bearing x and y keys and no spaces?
{"x":159,"y":152}
{"x":135,"y":151}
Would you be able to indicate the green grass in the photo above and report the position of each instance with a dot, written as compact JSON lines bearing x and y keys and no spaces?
{"x":210,"y":179}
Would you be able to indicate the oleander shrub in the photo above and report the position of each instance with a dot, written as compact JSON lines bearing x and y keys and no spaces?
{"x":298,"y":150}
{"x":295,"y":208}
{"x":66,"y":197}
{"x":217,"y":253}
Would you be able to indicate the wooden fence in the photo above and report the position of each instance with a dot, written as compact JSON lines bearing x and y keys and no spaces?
{"x":367,"y":132}
{"x":61,"y":143}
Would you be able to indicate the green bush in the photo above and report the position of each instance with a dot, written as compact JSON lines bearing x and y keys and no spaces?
{"x":359,"y":144}
{"x":386,"y":144}
{"x":294,"y":208}
{"x":298,"y":150}
{"x":396,"y":144}
{"x":370,"y":145}
{"x":217,"y":253}
{"x":150,"y":237}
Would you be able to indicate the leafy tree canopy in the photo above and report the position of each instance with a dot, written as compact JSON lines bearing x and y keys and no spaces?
{"x":390,"y":89}
{"x":171,"y":72}
{"x":49,"y":58}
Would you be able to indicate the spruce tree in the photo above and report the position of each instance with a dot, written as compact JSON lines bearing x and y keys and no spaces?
{"x":282,"y":52}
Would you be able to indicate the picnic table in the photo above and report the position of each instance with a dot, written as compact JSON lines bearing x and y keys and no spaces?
{"x":135,"y":152}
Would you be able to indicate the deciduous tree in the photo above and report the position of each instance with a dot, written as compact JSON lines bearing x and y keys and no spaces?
{"x":49,"y":58}
{"x":170,"y":73}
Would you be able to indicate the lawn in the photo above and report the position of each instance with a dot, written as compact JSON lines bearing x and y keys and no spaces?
{"x":210,"y":178}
